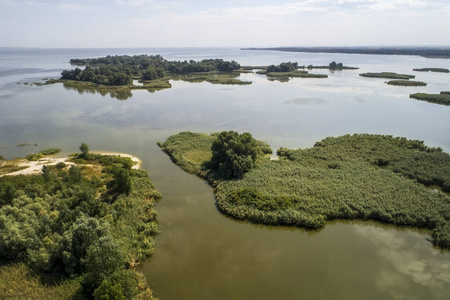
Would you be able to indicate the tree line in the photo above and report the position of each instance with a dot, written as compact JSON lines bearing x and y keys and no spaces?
{"x":120,"y":70}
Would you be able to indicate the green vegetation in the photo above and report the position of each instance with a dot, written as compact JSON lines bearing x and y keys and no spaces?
{"x":87,"y":227}
{"x":42,"y":153}
{"x":115,"y":74}
{"x":25,"y":145}
{"x":9,"y":166}
{"x":439,"y":70}
{"x":388,"y":75}
{"x":283,"y":67}
{"x":332,"y":66}
{"x":406,"y":83}
{"x":227,"y":78}
{"x":18,"y":281}
{"x":300,"y":74}
{"x":442,"y":98}
{"x":361,"y":176}
{"x":288,"y":69}
{"x":234,"y":154}
{"x":50,"y":151}
{"x":120,"y":70}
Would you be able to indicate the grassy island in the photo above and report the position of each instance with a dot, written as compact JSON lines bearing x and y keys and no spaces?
{"x":439,"y":70}
{"x":406,"y":83}
{"x":77,"y":230}
{"x":297,"y":73}
{"x":442,"y":98}
{"x":361,"y":176}
{"x":388,"y":75}
{"x":117,"y":73}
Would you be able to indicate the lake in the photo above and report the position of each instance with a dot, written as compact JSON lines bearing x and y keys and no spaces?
{"x":202,"y":254}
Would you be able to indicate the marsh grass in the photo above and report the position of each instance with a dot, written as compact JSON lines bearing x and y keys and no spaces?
{"x":388,"y":75}
{"x":367,"y":177}
{"x":406,"y":83}
{"x":297,"y":73}
{"x":442,"y":98}
{"x":439,"y":70}
{"x":226,"y":78}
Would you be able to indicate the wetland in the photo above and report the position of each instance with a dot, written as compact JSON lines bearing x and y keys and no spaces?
{"x":201,"y":253}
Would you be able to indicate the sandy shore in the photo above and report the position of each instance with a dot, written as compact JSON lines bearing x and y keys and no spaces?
{"x":35,"y":167}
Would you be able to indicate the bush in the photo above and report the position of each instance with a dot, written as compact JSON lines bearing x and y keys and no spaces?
{"x":49,"y":151}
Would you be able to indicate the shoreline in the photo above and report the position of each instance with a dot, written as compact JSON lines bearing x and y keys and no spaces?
{"x":35,"y":167}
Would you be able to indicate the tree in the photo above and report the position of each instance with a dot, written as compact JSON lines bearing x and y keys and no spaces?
{"x":84,"y":148}
{"x":121,"y":184}
{"x":46,"y":173}
{"x":75,"y":174}
{"x":233,"y":154}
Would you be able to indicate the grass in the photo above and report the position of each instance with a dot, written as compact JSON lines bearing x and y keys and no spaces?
{"x":226,"y":78}
{"x":406,"y":83}
{"x":442,"y":98}
{"x":388,"y":75}
{"x":368,"y":177}
{"x":439,"y":70}
{"x":9,"y":166}
{"x":17,"y":281}
{"x":50,"y":151}
{"x":298,"y":73}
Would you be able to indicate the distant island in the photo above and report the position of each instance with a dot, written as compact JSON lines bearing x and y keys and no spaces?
{"x":125,"y":73}
{"x":442,"y":98}
{"x":438,"y":70}
{"x":431,"y":52}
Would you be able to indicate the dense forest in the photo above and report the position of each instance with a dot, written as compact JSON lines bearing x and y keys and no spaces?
{"x":88,"y":226}
{"x":121,"y":70}
{"x":361,"y":176}
{"x":436,"y":52}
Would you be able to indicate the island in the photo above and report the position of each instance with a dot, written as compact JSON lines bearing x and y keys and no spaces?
{"x":431,"y":52}
{"x":438,"y":70}
{"x":388,"y":75}
{"x":406,"y":83}
{"x":125,"y":73}
{"x":288,"y":69}
{"x":76,"y":227}
{"x":361,"y":176}
{"x":442,"y":98}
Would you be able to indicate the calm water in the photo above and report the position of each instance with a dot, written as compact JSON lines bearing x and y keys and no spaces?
{"x":202,"y":254}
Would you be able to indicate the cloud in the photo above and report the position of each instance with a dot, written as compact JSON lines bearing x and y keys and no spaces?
{"x":417,"y":262}
{"x":154,"y":4}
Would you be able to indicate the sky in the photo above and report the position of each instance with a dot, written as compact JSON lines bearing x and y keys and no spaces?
{"x":223,"y":23}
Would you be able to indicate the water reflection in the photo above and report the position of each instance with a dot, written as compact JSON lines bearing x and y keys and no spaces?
{"x":279,"y":79}
{"x":119,"y":95}
{"x":306,"y":101}
{"x":413,"y":261}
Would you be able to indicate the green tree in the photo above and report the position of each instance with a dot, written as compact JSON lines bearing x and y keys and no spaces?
{"x":121,"y":184}
{"x":75,"y":174}
{"x":46,"y":173}
{"x":233,"y":154}
{"x":84,"y":148}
